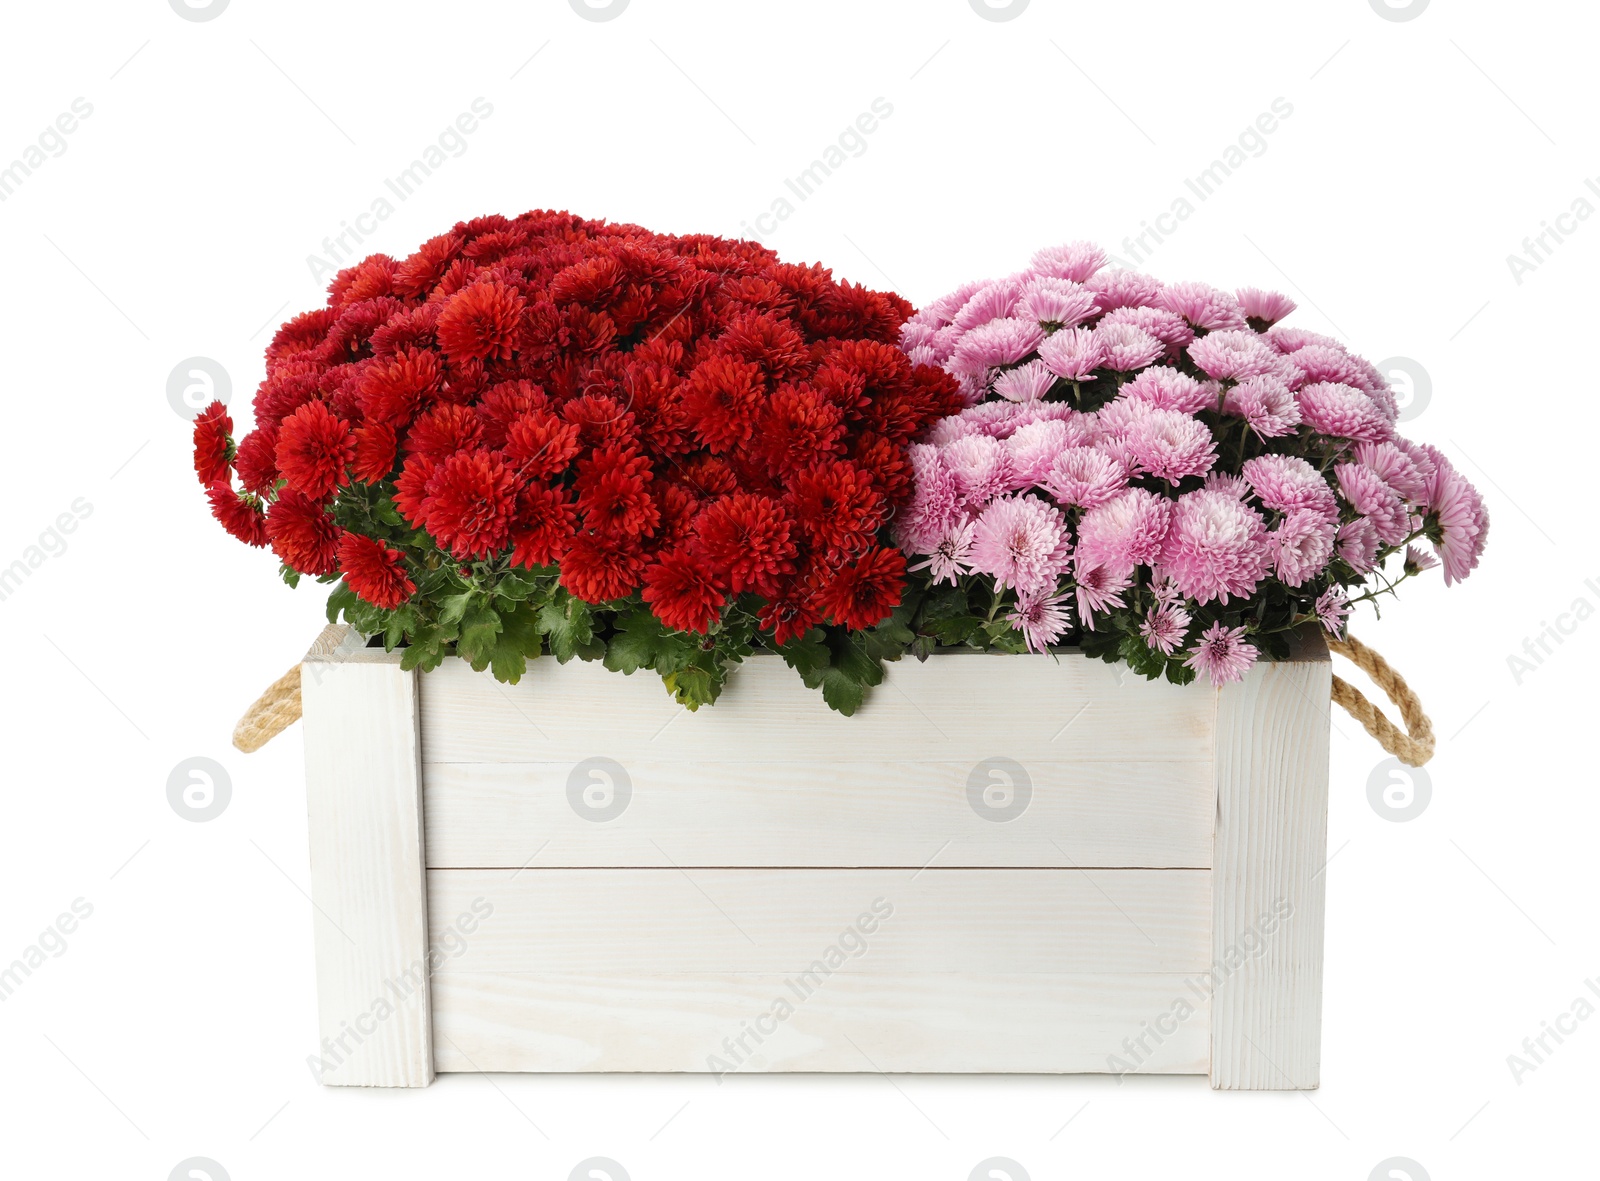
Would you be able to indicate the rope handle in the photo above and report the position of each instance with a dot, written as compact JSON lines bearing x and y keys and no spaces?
{"x":1413,"y":745}
{"x":279,"y":707}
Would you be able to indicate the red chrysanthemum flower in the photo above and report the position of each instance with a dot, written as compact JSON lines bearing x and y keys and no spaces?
{"x":213,"y":444}
{"x":374,"y":453}
{"x":315,"y":447}
{"x":599,"y":569}
{"x":257,"y":461}
{"x":240,"y":515}
{"x":469,"y":504}
{"x":746,"y":540}
{"x":480,"y":321}
{"x":392,"y":391}
{"x":682,"y":593}
{"x":863,"y":593}
{"x":790,"y":615}
{"x":545,"y":522}
{"x":799,"y":428}
{"x":444,"y":430}
{"x":613,"y":489}
{"x":539,"y":444}
{"x":723,"y":398}
{"x":838,"y":509}
{"x":303,"y":535}
{"x":374,"y":571}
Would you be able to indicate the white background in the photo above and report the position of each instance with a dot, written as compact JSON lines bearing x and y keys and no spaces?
{"x":220,"y":153}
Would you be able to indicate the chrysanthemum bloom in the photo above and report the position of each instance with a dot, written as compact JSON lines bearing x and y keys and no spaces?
{"x":1098,"y":589}
{"x":1202,"y":305}
{"x":995,"y":300}
{"x":837,"y":509}
{"x":682,"y":593}
{"x":315,"y":446}
{"x":598,"y":569}
{"x":746,"y":540}
{"x":1357,"y":543}
{"x":1083,"y":477}
{"x":393,"y":389}
{"x":241,"y":516}
{"x":1283,"y":483}
{"x":1169,"y":328}
{"x":1263,"y":309}
{"x":1055,"y":303}
{"x":998,"y":342}
{"x":468,"y":504}
{"x":374,"y":571}
{"x":1025,"y":383}
{"x":480,"y":321}
{"x":1216,"y":547}
{"x":213,"y":444}
{"x":1171,"y":446}
{"x":1032,"y":448}
{"x":1127,"y":348}
{"x":1266,"y":403}
{"x":1222,"y":654}
{"x":1332,"y":606}
{"x":1022,"y":543}
{"x":1165,"y":627}
{"x":1125,"y":532}
{"x":1123,"y":289}
{"x":934,"y":504}
{"x":1072,"y":353}
{"x":1302,"y":545}
{"x":1075,"y":261}
{"x":1041,"y":618}
{"x":863,"y":592}
{"x":613,"y":487}
{"x":1365,"y":491}
{"x":995,"y":419}
{"x":1235,"y":486}
{"x":1317,"y":363}
{"x":303,"y":535}
{"x":1394,"y":467}
{"x":980,"y":465}
{"x":544,"y":522}
{"x":1416,"y":560}
{"x":949,"y":553}
{"x":723,"y":398}
{"x":1165,"y":388}
{"x":1457,"y":512}
{"x":1341,"y":411}
{"x":1232,"y":355}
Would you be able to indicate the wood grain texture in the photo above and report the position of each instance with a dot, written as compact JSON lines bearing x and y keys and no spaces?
{"x":1268,"y":885}
{"x":363,"y":784}
{"x":893,"y":970}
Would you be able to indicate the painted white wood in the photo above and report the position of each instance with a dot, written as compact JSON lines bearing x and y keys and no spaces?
{"x":363,"y":785}
{"x":1271,"y":847}
{"x":939,"y":970}
{"x":886,"y":811}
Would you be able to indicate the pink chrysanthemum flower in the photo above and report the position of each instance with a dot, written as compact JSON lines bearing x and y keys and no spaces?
{"x":1463,"y":521}
{"x":1222,"y":655}
{"x":1127,"y":348}
{"x":1123,"y":289}
{"x":1286,"y":482}
{"x":1098,"y":589}
{"x":994,"y":300}
{"x":1072,"y":353}
{"x":1165,"y":627}
{"x":996,"y":419}
{"x":1302,"y":545}
{"x":1365,"y":491}
{"x":950,"y":555}
{"x":1169,"y":328}
{"x":1083,"y":477}
{"x":1289,"y":340}
{"x":1235,"y":486}
{"x":981,"y":466}
{"x":1332,"y":607}
{"x":1166,"y":592}
{"x":1202,"y":305}
{"x":1320,"y":363}
{"x":1081,"y":427}
{"x":1357,"y":543}
{"x":1166,"y":388}
{"x":1394,"y":467}
{"x":1266,"y":403}
{"x":999,"y":342}
{"x":1034,"y":448}
{"x":1021,"y":542}
{"x":942,"y":309}
{"x":917,"y":332}
{"x":1232,"y":354}
{"x":935,"y":501}
{"x":1266,"y":306}
{"x":923,"y":355}
{"x":948,"y":430}
{"x":1055,"y":303}
{"x":1416,"y":560}
{"x":1125,"y":532}
{"x":1171,"y":446}
{"x":1216,"y":547}
{"x":1075,"y":261}
{"x":1341,"y":412}
{"x":1041,"y":618}
{"x":1025,"y":383}
{"x":943,"y":342}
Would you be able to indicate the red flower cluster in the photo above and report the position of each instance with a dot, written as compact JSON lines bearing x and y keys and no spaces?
{"x":683,"y":417}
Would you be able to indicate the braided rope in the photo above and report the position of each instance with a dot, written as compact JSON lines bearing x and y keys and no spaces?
{"x":279,"y":707}
{"x":1415,"y":747}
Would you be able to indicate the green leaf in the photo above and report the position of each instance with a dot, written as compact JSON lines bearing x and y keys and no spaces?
{"x":639,"y":639}
{"x":569,"y":624}
{"x":519,"y":641}
{"x":289,"y":574}
{"x":1179,"y":673}
{"x":808,"y":656}
{"x":453,"y":608}
{"x":516,"y":585}
{"x":480,"y":628}
{"x":341,"y":597}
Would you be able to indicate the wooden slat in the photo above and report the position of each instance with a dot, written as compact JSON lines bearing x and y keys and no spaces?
{"x":1271,"y":846}
{"x":363,"y":786}
{"x":881,"y":812}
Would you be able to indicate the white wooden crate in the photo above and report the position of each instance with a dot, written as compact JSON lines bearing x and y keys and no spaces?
{"x":1001,"y":864}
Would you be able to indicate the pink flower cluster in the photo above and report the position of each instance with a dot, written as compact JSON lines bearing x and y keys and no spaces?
{"x":1166,"y":455}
